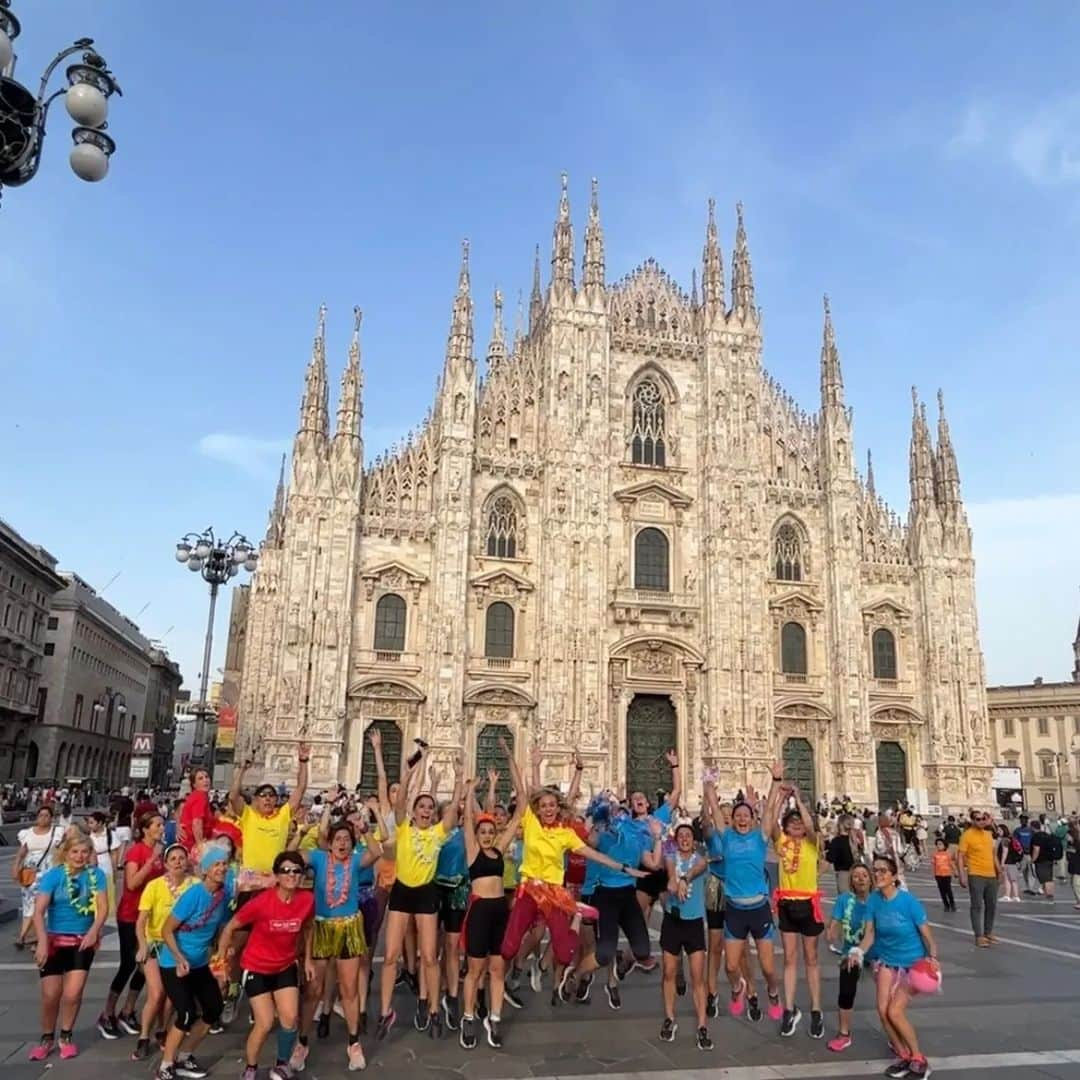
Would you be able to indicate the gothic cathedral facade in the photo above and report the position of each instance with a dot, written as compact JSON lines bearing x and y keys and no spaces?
{"x":622,"y":536}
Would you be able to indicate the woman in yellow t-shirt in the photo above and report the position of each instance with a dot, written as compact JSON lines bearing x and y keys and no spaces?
{"x":799,"y":911}
{"x":155,"y":905}
{"x":419,"y":836}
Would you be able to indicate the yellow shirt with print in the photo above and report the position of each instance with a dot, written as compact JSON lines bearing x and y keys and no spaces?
{"x":544,"y":849}
{"x":418,"y":852}
{"x":977,"y":847}
{"x":798,"y":864}
{"x":157,"y":901}
{"x":265,"y":837}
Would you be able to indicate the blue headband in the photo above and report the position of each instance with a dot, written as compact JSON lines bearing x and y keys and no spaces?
{"x":211,"y":856}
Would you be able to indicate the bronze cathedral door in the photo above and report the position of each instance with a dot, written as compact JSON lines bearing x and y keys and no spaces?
{"x":650,"y":733}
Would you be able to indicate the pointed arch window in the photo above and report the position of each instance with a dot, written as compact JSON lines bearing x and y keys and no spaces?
{"x":504,"y":531}
{"x":788,"y":553}
{"x":390,"y":614}
{"x":883,"y":646}
{"x":647,"y":432}
{"x":499,"y":631}
{"x":793,"y":649}
{"x":651,"y":561}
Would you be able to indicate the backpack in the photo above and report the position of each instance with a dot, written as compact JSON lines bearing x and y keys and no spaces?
{"x":1016,"y":846}
{"x":1052,"y":847}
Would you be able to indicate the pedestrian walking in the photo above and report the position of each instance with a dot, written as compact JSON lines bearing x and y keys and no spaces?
{"x":979,"y":872}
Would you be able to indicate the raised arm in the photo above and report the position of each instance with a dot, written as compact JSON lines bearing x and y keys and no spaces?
{"x":575,"y":780}
{"x":535,"y":756}
{"x":381,"y":786}
{"x":450,"y":813}
{"x":770,"y":817}
{"x":653,"y":859}
{"x":711,"y":820}
{"x":807,"y":818}
{"x":297,"y":796}
{"x":472,"y":848}
{"x":675,"y":794}
{"x":521,"y":792}
{"x":236,"y":789}
{"x":493,"y":783}
{"x":409,"y":778}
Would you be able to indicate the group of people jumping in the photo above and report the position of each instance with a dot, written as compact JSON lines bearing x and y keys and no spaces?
{"x":471,"y":896}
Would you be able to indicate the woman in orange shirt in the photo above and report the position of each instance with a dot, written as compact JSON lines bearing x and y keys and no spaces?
{"x":943,"y":872}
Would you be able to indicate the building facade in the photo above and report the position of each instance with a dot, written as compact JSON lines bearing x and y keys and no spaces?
{"x":162,"y":685}
{"x":96,"y":676}
{"x":28,"y":580}
{"x":623,"y":536}
{"x":1036,"y":728}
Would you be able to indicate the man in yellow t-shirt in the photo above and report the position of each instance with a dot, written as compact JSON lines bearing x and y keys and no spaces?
{"x":979,"y":872}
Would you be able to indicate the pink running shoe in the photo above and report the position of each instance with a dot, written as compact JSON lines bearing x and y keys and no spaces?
{"x":840,"y":1043}
{"x":356,"y":1058}
{"x":776,"y":1010}
{"x":737,"y":1004}
{"x":42,"y":1050}
{"x":587,"y":911}
{"x":68,"y":1050}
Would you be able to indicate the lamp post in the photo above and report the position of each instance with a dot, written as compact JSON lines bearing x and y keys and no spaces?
{"x":217,"y":561}
{"x":90,"y":84}
{"x":107,"y":704}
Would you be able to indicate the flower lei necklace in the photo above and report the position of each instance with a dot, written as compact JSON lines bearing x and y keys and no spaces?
{"x":79,"y":895}
{"x":423,"y":852}
{"x":790,"y":854}
{"x":336,"y":899}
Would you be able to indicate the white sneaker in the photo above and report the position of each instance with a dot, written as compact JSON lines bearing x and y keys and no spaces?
{"x":299,"y":1058}
{"x":339,"y":1009}
{"x":356,"y":1058}
{"x":535,"y":977}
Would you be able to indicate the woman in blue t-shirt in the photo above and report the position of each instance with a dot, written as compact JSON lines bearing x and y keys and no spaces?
{"x":897,"y":931}
{"x":846,"y":927}
{"x":69,"y":911}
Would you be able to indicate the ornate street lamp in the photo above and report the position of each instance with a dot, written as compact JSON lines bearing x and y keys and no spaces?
{"x":90,"y":84}
{"x":109,"y":703}
{"x":216,"y":561}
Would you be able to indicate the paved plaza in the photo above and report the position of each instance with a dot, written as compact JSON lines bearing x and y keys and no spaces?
{"x":1010,"y":1011}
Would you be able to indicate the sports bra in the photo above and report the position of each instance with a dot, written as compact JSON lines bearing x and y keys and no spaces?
{"x":486,"y":866}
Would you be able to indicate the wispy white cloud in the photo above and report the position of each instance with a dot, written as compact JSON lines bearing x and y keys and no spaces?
{"x":1028,"y":577}
{"x":257,"y":457}
{"x":1041,"y":143}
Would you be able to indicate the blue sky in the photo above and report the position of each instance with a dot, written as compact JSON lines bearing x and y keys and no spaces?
{"x":920,"y":164}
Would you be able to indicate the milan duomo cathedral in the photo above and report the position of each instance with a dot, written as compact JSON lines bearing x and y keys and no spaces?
{"x":618,"y":536}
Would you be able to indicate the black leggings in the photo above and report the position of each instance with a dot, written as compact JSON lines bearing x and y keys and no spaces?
{"x":849,"y":983}
{"x":129,"y":969}
{"x":618,"y":907}
{"x":944,"y":885}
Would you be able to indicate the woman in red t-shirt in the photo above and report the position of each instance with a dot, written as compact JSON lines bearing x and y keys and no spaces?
{"x":280,"y":919}
{"x":142,"y":864}
{"x":197,"y":815}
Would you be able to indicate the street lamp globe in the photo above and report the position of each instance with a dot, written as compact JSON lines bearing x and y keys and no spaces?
{"x":183,"y":552}
{"x":86,"y":105}
{"x":251,"y":563}
{"x":233,"y":569}
{"x":202,"y":549}
{"x":240,"y":554}
{"x":89,"y":162}
{"x":194,"y":564}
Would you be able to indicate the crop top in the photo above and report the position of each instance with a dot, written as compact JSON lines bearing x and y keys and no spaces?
{"x":485,"y":865}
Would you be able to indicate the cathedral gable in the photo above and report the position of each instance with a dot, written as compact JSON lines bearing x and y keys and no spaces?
{"x":652,"y":490}
{"x":392,"y":575}
{"x":649,"y":313}
{"x":499,"y":585}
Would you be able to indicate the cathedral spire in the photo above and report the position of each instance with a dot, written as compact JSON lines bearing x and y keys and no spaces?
{"x":870,"y":489}
{"x":496,"y":353}
{"x":948,"y":474}
{"x":350,"y":401}
{"x":536,"y":301}
{"x":832,"y":379}
{"x":742,"y":274}
{"x":459,"y":345}
{"x":314,"y":408}
{"x":592,"y":270}
{"x":712,"y":265}
{"x":275,"y":528}
{"x":1076,"y":655}
{"x":921,"y":459}
{"x":562,"y":243}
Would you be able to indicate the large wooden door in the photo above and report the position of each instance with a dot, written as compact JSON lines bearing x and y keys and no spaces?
{"x":391,"y":755}
{"x":891,"y":774}
{"x":799,"y":768}
{"x":650,"y":733}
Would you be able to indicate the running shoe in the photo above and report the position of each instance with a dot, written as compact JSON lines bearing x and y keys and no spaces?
{"x":280,"y":1071}
{"x":711,"y":1011}
{"x":623,"y":967}
{"x":775,"y":1010}
{"x":817,"y":1024}
{"x":494,"y":1035}
{"x":357,"y":1061}
{"x":536,"y":975}
{"x":841,"y":1043}
{"x":228,"y":1012}
{"x":583,"y":989}
{"x":68,"y":1049}
{"x":128,"y":1024}
{"x":753,"y":1009}
{"x":919,"y":1066}
{"x":587,"y":911}
{"x":680,"y":983}
{"x":510,"y":997}
{"x":42,"y":1050}
{"x":298,"y":1058}
{"x":899,"y":1068}
{"x":215,"y":1029}
{"x":614,"y":995}
{"x":513,"y":977}
{"x":435,"y":1026}
{"x":790,"y":1022}
{"x":168,"y":1072}
{"x":567,"y":984}
{"x":703,"y":1040}
{"x":249,"y":1073}
{"x":668,"y":1029}
{"x":467,"y":1035}
{"x":187,"y":1068}
{"x":737,"y":1005}
{"x":338,"y":1009}
{"x":382,"y":1028}
{"x":141,"y":1051}
{"x":107,"y":1028}
{"x":412,"y":981}
{"x":450,"y":1011}
{"x":423,"y":1015}
{"x":647,"y":965}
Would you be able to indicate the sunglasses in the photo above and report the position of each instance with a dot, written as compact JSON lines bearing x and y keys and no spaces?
{"x":290,"y":870}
